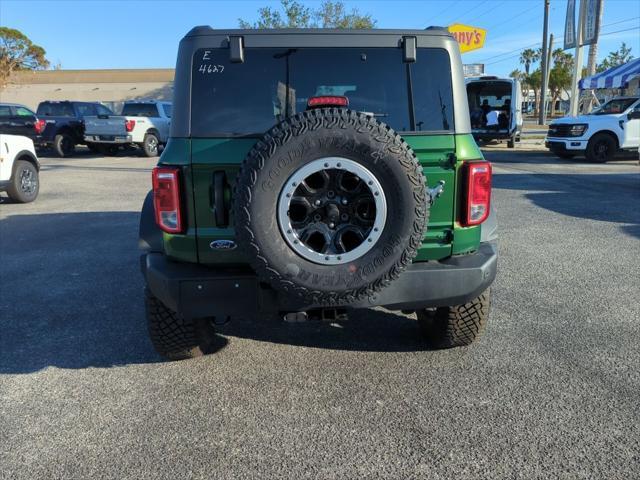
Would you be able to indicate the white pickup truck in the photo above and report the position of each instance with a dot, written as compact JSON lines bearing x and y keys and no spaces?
{"x":19,"y":168}
{"x":612,"y":127}
{"x":142,"y":123}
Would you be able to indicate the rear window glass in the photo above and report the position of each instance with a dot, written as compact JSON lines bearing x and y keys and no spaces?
{"x":5,"y":111}
{"x":86,"y":109}
{"x":167,"y":109}
{"x":273,"y":83}
{"x":102,"y":110}
{"x":140,"y":110}
{"x":55,"y":110}
{"x":24,"y":112}
{"x":617,"y":105}
{"x":492,"y":94}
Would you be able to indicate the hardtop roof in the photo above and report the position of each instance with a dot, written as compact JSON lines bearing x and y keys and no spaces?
{"x":206,"y":30}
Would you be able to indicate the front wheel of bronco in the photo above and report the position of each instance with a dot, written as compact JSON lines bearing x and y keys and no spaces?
{"x":456,"y":326}
{"x":172,"y":335}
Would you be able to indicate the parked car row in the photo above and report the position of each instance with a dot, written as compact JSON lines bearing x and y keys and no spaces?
{"x":19,"y":168}
{"x":599,"y":135}
{"x":62,"y":125}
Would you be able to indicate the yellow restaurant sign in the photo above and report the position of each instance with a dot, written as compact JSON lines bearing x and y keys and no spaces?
{"x":469,"y":38}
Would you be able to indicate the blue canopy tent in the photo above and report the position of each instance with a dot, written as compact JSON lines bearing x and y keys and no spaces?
{"x":616,"y":77}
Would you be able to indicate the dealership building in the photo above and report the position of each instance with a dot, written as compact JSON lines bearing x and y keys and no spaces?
{"x":111,"y":87}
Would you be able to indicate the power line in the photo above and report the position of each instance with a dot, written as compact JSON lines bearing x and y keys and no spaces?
{"x":473,"y":8}
{"x":512,"y":18}
{"x":538,"y":43}
{"x":510,"y":51}
{"x":618,"y":31}
{"x":621,"y":21}
{"x":492,"y":9}
{"x":507,"y":58}
{"x":517,"y":55}
{"x":446,"y":9}
{"x":528,"y":20}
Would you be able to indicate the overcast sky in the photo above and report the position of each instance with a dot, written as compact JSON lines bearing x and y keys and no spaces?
{"x":145,"y":34}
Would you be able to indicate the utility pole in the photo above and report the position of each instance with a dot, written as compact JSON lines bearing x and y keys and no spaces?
{"x":549,"y":58}
{"x":545,"y":66}
{"x":578,"y":61}
{"x":591,"y":61}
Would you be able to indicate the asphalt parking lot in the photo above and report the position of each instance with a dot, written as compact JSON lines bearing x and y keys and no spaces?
{"x":550,"y":391}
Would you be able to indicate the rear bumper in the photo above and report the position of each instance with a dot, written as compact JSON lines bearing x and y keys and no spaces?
{"x":197,"y":291}
{"x":118,"y":139}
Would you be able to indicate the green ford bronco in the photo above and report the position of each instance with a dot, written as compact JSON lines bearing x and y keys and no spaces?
{"x":309,"y":172}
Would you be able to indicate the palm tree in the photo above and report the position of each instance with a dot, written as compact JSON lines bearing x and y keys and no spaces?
{"x":527,"y":57}
{"x":534,"y":82}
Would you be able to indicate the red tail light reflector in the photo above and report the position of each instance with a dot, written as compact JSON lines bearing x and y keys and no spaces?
{"x":478,"y":194}
{"x":166,"y":199}
{"x":129,"y":125}
{"x":328,"y":101}
{"x":39,"y":126}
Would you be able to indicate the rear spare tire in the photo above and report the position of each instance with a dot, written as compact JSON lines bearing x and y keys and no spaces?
{"x":331,"y":206}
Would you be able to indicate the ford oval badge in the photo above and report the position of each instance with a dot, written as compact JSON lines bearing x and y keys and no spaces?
{"x":223,"y":245}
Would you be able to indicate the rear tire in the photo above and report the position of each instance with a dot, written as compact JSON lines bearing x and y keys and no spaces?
{"x":150,"y":146}
{"x":174,"y":336}
{"x":457,"y":326}
{"x":601,"y":148}
{"x":64,"y":145}
{"x":25,"y":183}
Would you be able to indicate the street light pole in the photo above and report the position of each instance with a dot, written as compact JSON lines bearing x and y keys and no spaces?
{"x":578,"y":61}
{"x":591,"y":62}
{"x":549,"y":58}
{"x":543,"y":90}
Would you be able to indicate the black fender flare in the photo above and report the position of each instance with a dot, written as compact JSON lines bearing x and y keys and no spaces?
{"x":149,"y":234}
{"x":27,"y":156}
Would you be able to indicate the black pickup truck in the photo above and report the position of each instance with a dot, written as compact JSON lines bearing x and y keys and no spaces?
{"x":65,"y":124}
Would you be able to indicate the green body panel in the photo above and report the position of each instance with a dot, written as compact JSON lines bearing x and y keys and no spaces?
{"x":441,"y":157}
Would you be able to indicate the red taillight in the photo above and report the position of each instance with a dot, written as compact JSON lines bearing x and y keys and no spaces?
{"x":328,"y":101}
{"x":478,"y":195}
{"x":129,"y":125}
{"x":166,"y":199}
{"x":39,"y":126}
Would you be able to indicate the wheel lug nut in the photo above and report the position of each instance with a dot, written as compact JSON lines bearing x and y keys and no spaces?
{"x":317,"y":203}
{"x":332,"y":225}
{"x":344,"y":201}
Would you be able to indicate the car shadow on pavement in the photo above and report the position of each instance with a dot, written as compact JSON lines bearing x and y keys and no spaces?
{"x":71,"y":292}
{"x":610,"y":197}
{"x":364,"y":331}
{"x":71,"y":297}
